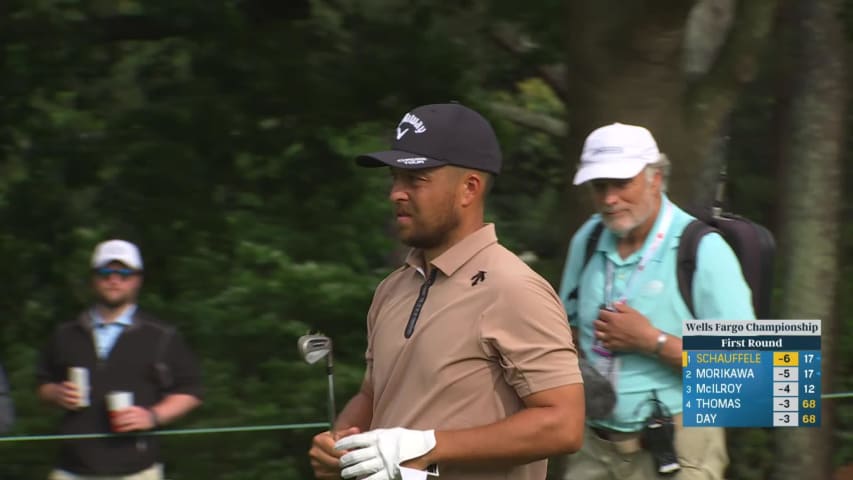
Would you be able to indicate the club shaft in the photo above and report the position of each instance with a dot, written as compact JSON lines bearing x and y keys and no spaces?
{"x":332,"y":409}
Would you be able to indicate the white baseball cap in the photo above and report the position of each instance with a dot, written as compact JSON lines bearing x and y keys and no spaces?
{"x":117,"y":251}
{"x":616,"y":151}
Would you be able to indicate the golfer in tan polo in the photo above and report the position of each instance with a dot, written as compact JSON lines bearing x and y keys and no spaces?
{"x":471,"y":369}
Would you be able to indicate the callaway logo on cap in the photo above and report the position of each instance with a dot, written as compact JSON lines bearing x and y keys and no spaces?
{"x":440,"y":134}
{"x":409,"y":122}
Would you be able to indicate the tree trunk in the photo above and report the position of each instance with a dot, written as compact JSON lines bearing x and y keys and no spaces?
{"x":626,"y":64}
{"x":811,"y":200}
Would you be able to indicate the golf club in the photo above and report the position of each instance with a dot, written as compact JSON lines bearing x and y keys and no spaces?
{"x":313,"y":348}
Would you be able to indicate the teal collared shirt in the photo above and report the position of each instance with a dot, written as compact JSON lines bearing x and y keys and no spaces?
{"x":719,"y":292}
{"x":105,"y":334}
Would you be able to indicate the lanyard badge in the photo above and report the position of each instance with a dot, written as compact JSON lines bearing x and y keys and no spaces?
{"x":606,"y":363}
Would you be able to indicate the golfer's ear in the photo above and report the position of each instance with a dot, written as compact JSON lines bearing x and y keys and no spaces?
{"x":473,"y":185}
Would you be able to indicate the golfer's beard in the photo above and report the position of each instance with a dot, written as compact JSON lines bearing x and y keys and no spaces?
{"x":436,"y":236}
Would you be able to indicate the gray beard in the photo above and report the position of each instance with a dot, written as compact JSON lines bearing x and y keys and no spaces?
{"x":625,"y":232}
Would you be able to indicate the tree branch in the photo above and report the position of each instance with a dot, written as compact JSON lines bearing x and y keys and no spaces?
{"x":100,"y":29}
{"x":554,"y":75}
{"x":737,"y":63}
{"x":532,"y":120}
{"x":122,"y":27}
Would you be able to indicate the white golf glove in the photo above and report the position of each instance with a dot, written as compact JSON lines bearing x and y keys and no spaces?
{"x":377,"y":454}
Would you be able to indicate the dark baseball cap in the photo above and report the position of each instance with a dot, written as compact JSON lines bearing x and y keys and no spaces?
{"x":440,"y":134}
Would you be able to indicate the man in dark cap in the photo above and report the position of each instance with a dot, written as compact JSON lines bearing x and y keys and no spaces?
{"x":471,"y":368}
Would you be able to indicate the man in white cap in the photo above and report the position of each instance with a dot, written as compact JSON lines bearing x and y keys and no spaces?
{"x":621,"y":294}
{"x":120,"y":349}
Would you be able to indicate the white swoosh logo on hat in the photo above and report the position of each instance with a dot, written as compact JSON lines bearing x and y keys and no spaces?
{"x":400,"y":133}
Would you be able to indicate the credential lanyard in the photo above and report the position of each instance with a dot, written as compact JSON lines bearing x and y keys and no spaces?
{"x":666,"y":221}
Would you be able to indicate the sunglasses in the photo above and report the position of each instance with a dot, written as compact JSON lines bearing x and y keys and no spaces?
{"x":121,"y":272}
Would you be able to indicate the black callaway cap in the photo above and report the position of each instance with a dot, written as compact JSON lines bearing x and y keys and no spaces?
{"x":440,"y":134}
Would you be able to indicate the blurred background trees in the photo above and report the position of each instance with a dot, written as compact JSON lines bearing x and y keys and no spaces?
{"x":219,"y":136}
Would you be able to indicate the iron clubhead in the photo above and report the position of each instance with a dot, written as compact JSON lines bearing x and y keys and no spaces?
{"x":314,"y":348}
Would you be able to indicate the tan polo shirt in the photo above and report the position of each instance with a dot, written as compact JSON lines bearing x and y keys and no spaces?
{"x":490,"y":332}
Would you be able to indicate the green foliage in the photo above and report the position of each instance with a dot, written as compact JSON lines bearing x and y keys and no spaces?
{"x":219,"y":136}
{"x":526,"y":192}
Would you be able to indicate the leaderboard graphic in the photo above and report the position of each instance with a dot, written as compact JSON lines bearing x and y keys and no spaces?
{"x":751,"y":373}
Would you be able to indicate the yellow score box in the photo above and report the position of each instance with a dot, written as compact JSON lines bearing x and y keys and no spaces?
{"x":684,"y":358}
{"x":786,"y":359}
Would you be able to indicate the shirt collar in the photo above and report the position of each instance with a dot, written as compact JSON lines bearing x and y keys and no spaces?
{"x":457,"y":255}
{"x":125,"y":319}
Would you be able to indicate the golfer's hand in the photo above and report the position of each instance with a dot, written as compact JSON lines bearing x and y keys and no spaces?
{"x":377,"y":454}
{"x":131,"y":419}
{"x":325,"y":460}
